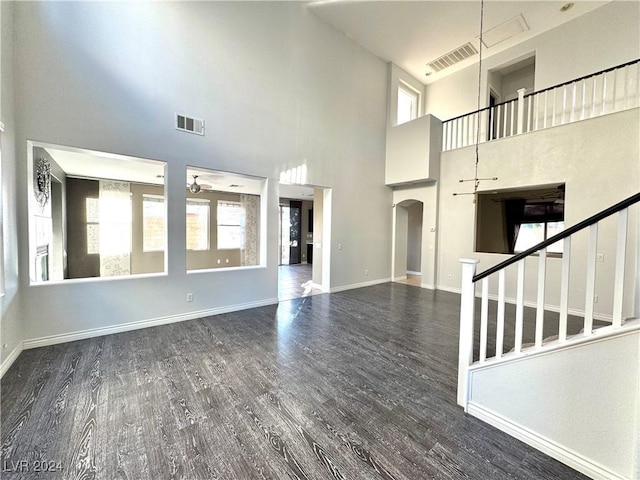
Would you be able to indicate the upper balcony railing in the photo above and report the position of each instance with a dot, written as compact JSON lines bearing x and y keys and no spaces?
{"x":608,"y":91}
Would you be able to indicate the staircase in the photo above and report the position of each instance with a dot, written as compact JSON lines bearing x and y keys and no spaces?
{"x":575,"y":394}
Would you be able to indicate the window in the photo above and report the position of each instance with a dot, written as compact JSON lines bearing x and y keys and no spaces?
{"x":153,"y":225}
{"x":514,"y":221}
{"x":230,"y":225}
{"x":408,"y":100}
{"x":531,"y":234}
{"x":197,"y":224}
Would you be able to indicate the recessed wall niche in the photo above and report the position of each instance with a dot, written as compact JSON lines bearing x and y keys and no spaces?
{"x":94,"y":214}
{"x":224,"y":219}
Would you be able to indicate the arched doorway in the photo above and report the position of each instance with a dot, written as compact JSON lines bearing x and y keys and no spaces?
{"x":407,"y":258}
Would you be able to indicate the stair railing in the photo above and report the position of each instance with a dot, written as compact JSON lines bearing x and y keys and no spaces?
{"x":611,"y":90}
{"x":470,"y":278}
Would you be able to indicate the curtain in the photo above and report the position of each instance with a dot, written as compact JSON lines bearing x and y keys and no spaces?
{"x":115,"y":228}
{"x":250,"y":228}
{"x":514,"y":213}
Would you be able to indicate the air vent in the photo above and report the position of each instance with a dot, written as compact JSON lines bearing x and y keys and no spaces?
{"x":453,"y":57}
{"x":189,"y":124}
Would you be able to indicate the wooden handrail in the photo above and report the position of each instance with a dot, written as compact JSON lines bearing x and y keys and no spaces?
{"x":601,"y":72}
{"x":566,"y":233}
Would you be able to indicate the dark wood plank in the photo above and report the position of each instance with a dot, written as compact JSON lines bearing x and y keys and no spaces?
{"x":359,"y":384}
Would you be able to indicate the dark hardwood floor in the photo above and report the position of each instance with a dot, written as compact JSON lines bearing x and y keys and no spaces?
{"x":354,"y":385}
{"x":295,"y":281}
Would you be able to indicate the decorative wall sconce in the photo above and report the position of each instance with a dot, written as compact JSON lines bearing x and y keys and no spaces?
{"x":194,"y":187}
{"x":43,"y":182}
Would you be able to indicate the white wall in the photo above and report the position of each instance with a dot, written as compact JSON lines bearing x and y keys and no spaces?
{"x":583,"y":402}
{"x":602,"y":38}
{"x":597,"y":159}
{"x":10,"y":315}
{"x":277,"y":88}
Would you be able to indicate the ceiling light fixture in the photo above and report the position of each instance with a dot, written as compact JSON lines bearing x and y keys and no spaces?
{"x":194,"y":187}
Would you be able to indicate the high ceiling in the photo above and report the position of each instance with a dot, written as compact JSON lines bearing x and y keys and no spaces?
{"x":414,"y":33}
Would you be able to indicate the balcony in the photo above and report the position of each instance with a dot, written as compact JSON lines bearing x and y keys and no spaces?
{"x":609,"y":91}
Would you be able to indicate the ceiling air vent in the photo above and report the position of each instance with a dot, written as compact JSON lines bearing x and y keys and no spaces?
{"x":189,"y":124}
{"x":453,"y":57}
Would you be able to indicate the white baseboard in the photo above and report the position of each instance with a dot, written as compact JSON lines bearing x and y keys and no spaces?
{"x":545,"y":445}
{"x":527,"y":303}
{"x":410,"y":272}
{"x":352,"y":286}
{"x":399,"y":279}
{"x":15,"y":353}
{"x":428,"y":286}
{"x":125,"y":327}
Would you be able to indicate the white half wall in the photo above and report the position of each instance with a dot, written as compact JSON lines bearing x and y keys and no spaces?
{"x":580,"y":404}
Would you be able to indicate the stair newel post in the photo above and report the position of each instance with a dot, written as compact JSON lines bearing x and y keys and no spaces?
{"x":467,"y":307}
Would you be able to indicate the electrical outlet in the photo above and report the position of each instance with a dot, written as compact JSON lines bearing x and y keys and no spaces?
{"x":599,"y":257}
{"x":366,"y":272}
{"x":449,"y":277}
{"x":339,"y":246}
{"x":189,"y":297}
{"x":595,"y":299}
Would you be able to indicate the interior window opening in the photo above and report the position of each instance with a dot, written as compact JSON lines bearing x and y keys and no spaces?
{"x":513,"y":221}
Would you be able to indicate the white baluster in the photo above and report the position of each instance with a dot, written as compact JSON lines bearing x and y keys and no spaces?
{"x":593,"y":101}
{"x":536,"y":110}
{"x":603,"y":109}
{"x":519,"y":306}
{"x":498,"y":118}
{"x":572,"y":116}
{"x":553,"y":113}
{"x":506,"y":114}
{"x":621,"y":254}
{"x":615,"y":91}
{"x":590,"y":287}
{"x":445,"y":128}
{"x":465,"y":352}
{"x":544,"y":123}
{"x":500,"y":317}
{"x":564,"y":104}
{"x":484,"y":319}
{"x":520,"y":124}
{"x":513,"y":116}
{"x":529,"y":112}
{"x":626,"y":87}
{"x":542,"y":276}
{"x":583,"y":99}
{"x":564,"y":290}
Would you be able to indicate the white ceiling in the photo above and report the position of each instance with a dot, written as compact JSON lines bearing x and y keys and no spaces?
{"x":413,"y":33}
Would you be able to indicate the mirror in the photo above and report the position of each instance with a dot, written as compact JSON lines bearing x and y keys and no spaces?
{"x":224,"y":219}
{"x":94,"y":214}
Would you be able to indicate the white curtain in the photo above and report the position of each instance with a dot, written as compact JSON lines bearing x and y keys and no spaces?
{"x":115,"y":228}
{"x":250,"y":229}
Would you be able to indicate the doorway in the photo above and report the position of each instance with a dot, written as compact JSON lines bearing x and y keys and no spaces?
{"x":408,"y":243}
{"x":301,"y":262}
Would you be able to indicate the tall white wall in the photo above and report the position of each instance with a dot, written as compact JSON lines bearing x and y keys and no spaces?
{"x":602,"y":38}
{"x":597,"y":159}
{"x":277,"y":88}
{"x":10,"y":315}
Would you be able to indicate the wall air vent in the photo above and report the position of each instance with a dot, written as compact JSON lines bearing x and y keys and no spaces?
{"x":453,"y":57}
{"x":189,"y":124}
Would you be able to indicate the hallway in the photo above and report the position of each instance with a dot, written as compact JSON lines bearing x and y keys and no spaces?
{"x":295,"y":281}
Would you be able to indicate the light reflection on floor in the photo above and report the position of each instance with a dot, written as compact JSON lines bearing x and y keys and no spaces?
{"x":295,"y":281}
